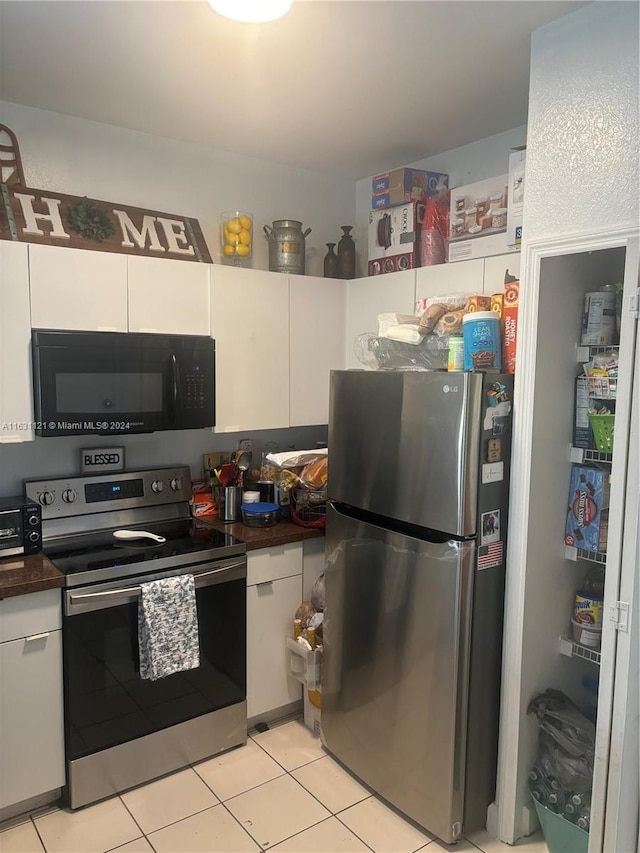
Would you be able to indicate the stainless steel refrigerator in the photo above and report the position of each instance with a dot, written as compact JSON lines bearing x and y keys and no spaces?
{"x":414,"y":579}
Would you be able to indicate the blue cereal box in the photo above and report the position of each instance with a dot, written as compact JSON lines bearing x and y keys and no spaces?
{"x":588,"y":509}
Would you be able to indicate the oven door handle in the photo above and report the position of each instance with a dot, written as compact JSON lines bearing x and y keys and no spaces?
{"x":84,"y":602}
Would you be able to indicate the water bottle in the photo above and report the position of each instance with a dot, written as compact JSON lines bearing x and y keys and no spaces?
{"x":581,"y":799}
{"x":557,"y":801}
{"x":584,"y":818}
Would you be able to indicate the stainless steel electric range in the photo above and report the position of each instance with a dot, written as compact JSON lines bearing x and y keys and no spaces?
{"x":122,"y":730}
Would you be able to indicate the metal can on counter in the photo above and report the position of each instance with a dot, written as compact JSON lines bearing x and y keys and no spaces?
{"x":286,"y":246}
{"x":455,"y":360}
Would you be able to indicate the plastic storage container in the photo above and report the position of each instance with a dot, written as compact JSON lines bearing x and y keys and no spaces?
{"x":482,"y":340}
{"x":561,"y":835}
{"x":259,"y":514}
{"x":586,"y":635}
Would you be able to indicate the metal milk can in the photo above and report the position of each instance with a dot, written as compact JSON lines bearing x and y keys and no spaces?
{"x":286,"y":246}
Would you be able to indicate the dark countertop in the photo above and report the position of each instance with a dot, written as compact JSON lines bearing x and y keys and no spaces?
{"x":22,"y":575}
{"x":267,"y":537}
{"x":34,"y":573}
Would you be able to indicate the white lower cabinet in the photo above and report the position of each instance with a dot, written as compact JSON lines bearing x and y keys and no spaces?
{"x":274,"y":591}
{"x":31,"y":728}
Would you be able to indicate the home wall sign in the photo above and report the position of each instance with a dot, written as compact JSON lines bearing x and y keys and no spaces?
{"x":42,"y":216}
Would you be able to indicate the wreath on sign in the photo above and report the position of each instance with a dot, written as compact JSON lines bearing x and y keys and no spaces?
{"x":88,"y":219}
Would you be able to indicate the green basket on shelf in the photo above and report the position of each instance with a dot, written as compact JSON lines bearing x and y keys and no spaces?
{"x":602,"y":428}
{"x":561,"y":835}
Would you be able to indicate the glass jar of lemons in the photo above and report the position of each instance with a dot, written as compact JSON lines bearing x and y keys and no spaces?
{"x":236,"y":234}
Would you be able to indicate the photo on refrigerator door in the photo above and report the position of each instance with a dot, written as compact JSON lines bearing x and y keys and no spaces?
{"x":490,"y":527}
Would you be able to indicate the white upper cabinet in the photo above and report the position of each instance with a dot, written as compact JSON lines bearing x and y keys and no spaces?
{"x":250,"y":325}
{"x":16,"y":398}
{"x":368,"y":297}
{"x":168,"y":296}
{"x":442,"y":279}
{"x":495,"y":269}
{"x":77,"y":289}
{"x":317,"y":344}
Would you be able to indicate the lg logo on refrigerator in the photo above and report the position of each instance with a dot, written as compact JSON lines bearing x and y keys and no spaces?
{"x":450,"y":389}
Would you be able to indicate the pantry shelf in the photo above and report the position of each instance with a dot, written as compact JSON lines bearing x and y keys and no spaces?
{"x":574,"y":554}
{"x":575,"y":650}
{"x":584,"y":353}
{"x":581,"y":454}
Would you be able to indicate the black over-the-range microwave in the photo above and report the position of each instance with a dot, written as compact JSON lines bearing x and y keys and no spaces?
{"x":116,"y":383}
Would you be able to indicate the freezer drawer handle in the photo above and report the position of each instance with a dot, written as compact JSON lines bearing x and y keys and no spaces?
{"x":35,"y":637}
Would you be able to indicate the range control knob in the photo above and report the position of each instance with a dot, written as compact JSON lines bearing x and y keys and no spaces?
{"x":69,"y":495}
{"x":176,"y":484}
{"x":33,"y":520}
{"x":157,"y":486}
{"x":46,"y":498}
{"x":33,"y":536}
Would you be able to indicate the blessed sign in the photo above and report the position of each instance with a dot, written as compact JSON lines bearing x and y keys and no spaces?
{"x":40,"y":216}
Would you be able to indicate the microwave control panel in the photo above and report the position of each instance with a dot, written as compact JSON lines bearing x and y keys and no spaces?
{"x":194,"y":382}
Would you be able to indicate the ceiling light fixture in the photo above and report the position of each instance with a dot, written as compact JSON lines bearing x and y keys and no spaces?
{"x":251,"y":11}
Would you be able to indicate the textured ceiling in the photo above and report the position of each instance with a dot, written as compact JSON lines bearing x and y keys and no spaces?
{"x":338,"y":86}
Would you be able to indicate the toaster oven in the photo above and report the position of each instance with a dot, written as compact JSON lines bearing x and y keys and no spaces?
{"x":20,"y":527}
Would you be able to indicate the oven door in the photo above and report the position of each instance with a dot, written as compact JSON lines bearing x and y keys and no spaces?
{"x":106,"y":701}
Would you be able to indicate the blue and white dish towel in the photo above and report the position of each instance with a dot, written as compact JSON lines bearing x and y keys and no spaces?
{"x":168,"y":627}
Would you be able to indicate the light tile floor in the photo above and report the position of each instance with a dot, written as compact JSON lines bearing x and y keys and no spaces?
{"x":281,"y":792}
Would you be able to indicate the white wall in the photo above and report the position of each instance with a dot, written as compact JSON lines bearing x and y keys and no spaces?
{"x":111,"y":163}
{"x":583,"y":145}
{"x":465,"y":165}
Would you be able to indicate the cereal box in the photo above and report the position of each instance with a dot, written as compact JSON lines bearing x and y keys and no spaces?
{"x":588,"y":509}
{"x":510,"y":325}
{"x":497,"y":303}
